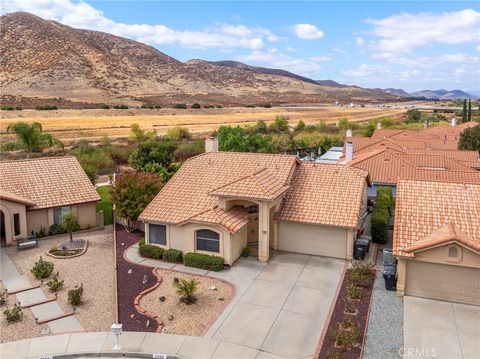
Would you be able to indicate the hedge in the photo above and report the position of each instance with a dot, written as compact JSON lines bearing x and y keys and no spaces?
{"x":149,"y":250}
{"x":172,"y":255}
{"x":384,"y":199}
{"x":380,"y":219}
{"x":204,"y":261}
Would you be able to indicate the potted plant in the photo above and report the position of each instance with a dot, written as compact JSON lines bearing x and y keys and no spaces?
{"x":246,"y":251}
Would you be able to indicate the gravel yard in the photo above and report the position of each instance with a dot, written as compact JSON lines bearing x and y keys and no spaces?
{"x":385,"y":326}
{"x":95,"y":269}
{"x":191,"y":319}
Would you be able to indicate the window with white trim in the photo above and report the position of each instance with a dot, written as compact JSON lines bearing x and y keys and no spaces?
{"x":57,"y":213}
{"x":157,"y":234}
{"x":207,"y":240}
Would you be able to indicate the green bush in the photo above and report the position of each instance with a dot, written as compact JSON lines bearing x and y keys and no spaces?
{"x":18,"y":108}
{"x":55,"y":283}
{"x":354,"y":293}
{"x":120,"y":107}
{"x":75,"y":295}
{"x":196,"y":105}
{"x":180,"y":106}
{"x":105,"y":106}
{"x":361,"y":267}
{"x":14,"y":314}
{"x":45,"y":107}
{"x":41,"y":232}
{"x":204,"y":261}
{"x":346,"y":339}
{"x":150,"y":251}
{"x":42,"y":269}
{"x":55,"y":229}
{"x":172,"y":255}
{"x":384,"y":198}
{"x":361,"y":280}
{"x":380,"y":219}
{"x":6,"y":108}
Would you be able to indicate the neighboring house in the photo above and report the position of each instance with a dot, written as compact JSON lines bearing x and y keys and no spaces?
{"x":35,"y":192}
{"x":437,"y":240}
{"x":220,"y":201}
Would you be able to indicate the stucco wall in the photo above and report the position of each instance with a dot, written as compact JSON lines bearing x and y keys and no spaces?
{"x":9,"y":209}
{"x":86,"y":214}
{"x":37,"y":219}
{"x":439,"y":255}
{"x":312,"y":239}
{"x":238,"y":241}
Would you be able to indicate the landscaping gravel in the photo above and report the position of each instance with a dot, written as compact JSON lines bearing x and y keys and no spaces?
{"x":384,"y":336}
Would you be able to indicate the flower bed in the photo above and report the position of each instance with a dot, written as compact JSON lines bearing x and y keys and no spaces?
{"x":69,"y":249}
{"x":345,"y":334}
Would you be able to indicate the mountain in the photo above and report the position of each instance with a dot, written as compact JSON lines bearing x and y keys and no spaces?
{"x":45,"y":60}
{"x":443,"y":94}
{"x":395,"y":92}
{"x":331,"y":83}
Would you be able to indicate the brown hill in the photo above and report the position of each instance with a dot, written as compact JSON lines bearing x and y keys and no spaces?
{"x":45,"y":59}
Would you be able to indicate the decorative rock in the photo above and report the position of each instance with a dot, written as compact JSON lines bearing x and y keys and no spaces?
{"x":130,"y":271}
{"x":221,"y":299}
{"x":132,"y":316}
{"x":162,"y":298}
{"x":45,"y":330}
{"x":175,"y":280}
{"x":145,"y":279}
{"x":170,"y":317}
{"x":164,"y":330}
{"x":148,"y":322}
{"x":213,"y":288}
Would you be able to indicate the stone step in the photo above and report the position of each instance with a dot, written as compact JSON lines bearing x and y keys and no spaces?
{"x":47,"y":310}
{"x":65,"y":325}
{"x":16,"y":283}
{"x":31,"y":296}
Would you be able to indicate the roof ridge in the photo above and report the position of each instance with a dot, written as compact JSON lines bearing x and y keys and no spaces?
{"x":38,"y":159}
{"x":238,"y":180}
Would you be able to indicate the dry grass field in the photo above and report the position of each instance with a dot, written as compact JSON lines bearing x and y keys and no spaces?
{"x":71,"y":125}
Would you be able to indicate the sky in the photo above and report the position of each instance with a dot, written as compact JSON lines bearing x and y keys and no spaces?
{"x":413,"y":45}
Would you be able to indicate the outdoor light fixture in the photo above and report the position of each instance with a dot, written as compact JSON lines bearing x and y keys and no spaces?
{"x":117,"y":330}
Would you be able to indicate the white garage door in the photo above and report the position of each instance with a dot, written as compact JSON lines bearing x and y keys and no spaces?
{"x":443,"y":282}
{"x":312,"y":239}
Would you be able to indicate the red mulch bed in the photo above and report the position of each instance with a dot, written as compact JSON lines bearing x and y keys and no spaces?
{"x":328,"y":349}
{"x":130,"y":285}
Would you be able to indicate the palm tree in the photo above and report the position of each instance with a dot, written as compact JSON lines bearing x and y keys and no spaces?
{"x":31,"y":137}
{"x":68,"y":222}
{"x":186,"y":290}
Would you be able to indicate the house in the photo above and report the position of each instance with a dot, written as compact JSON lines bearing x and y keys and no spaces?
{"x":35,"y":192}
{"x":219,"y":202}
{"x":436,"y":239}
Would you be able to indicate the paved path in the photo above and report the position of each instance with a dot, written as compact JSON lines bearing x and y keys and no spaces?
{"x":280,"y":307}
{"x":12,"y":281}
{"x":445,"y":330}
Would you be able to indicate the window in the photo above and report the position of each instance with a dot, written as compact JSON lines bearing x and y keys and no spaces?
{"x":208,"y":240}
{"x":453,"y":252}
{"x":57,"y":213}
{"x":157,"y":234}
{"x":16,"y":223}
{"x":252,"y":208}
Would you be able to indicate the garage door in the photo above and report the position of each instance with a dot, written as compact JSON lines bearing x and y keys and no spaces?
{"x":312,"y":239}
{"x":443,"y":282}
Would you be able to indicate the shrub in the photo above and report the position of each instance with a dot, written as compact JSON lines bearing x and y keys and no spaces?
{"x":353,"y":292}
{"x":186,"y":290}
{"x":120,"y":107}
{"x":380,"y":219}
{"x":346,"y":339}
{"x":179,"y":134}
{"x":75,"y":295}
{"x":196,"y":105}
{"x":246,"y":251}
{"x":204,"y":261}
{"x":55,"y":229}
{"x":41,"y":232}
{"x":18,"y":108}
{"x":150,"y":251}
{"x":360,"y":267}
{"x":172,"y":255}
{"x":384,"y":199}
{"x":42,"y":269}
{"x":55,"y":283}
{"x":14,"y":314}
{"x":360,"y":280}
{"x":6,"y":108}
{"x":180,"y":106}
{"x":105,"y":106}
{"x":45,"y":107}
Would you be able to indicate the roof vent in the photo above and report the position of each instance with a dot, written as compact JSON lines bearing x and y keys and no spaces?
{"x":348,"y":133}
{"x":453,"y":122}
{"x":379,"y":126}
{"x":211,"y":144}
{"x":349,"y":151}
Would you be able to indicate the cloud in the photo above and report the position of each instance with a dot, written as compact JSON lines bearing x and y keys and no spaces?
{"x":321,"y":58}
{"x":406,"y":32}
{"x":272,"y":58}
{"x":366,"y":70}
{"x":307,"y":31}
{"x":82,"y":15}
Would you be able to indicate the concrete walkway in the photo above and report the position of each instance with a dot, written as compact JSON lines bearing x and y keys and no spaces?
{"x":442,"y":329}
{"x":13,"y":281}
{"x":280,"y":307}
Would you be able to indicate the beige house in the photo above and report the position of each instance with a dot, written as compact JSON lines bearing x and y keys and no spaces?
{"x":219,"y":202}
{"x":437,"y":240}
{"x":35,"y":192}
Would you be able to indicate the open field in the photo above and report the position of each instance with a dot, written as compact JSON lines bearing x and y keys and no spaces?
{"x":71,"y":125}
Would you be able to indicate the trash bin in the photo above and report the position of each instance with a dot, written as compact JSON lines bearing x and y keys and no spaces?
{"x":360,"y":251}
{"x":388,"y":257}
{"x":389,"y":275}
{"x":365,"y":242}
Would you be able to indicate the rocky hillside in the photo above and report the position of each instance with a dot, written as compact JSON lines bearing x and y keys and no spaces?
{"x":45,"y":59}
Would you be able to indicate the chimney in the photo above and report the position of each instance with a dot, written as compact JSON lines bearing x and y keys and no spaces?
{"x":425,"y":124}
{"x":349,"y":151}
{"x":379,"y":126}
{"x":348,"y":133}
{"x":453,"y":122}
{"x":211,"y":144}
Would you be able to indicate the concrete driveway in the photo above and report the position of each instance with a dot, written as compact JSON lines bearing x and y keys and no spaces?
{"x":282,"y":307}
{"x":441,"y":329}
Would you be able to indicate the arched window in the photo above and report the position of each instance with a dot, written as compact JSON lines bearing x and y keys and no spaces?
{"x":452,"y":252}
{"x":207,"y":240}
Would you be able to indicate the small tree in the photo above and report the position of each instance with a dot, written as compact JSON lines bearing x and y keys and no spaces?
{"x":153,"y":151}
{"x":464,"y":111}
{"x":470,"y":139}
{"x":31,"y":137}
{"x":132,"y":192}
{"x":186,"y":290}
{"x":469,"y":116}
{"x":69,"y":223}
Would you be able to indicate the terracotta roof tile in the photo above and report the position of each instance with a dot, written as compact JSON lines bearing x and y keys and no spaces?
{"x":12,"y":197}
{"x":430,"y":213}
{"x":232,"y":219}
{"x":325,"y":194}
{"x":47,"y":182}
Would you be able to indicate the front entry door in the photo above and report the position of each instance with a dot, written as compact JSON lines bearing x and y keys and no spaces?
{"x":3,"y":235}
{"x":252,"y":231}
